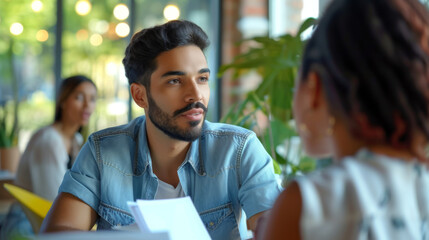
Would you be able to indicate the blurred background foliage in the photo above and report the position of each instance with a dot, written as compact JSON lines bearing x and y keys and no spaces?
{"x":268,"y":109}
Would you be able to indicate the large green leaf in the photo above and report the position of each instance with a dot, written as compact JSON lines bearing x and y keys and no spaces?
{"x":280,"y":131}
{"x":308,"y":23}
{"x":277,"y":61}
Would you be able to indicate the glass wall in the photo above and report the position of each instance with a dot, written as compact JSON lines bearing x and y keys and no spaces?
{"x":287,"y":15}
{"x":26,"y":64}
{"x":94,"y":36}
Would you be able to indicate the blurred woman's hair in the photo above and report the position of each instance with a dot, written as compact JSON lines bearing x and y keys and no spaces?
{"x":68,"y":85}
{"x":372,"y":59}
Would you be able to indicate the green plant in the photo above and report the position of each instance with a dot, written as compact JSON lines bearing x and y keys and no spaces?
{"x":276,"y":60}
{"x":8,"y":126}
{"x":9,"y":112}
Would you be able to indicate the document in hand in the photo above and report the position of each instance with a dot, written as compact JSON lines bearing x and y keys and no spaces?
{"x":177,"y":216}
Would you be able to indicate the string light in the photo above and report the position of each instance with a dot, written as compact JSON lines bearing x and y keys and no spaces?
{"x":122,"y":29}
{"x":82,"y":34}
{"x":101,"y":27}
{"x":42,"y":35}
{"x":83,"y":7}
{"x":96,"y":40}
{"x":37,"y":5}
{"x":171,"y":12}
{"x":16,"y":28}
{"x":121,"y":11}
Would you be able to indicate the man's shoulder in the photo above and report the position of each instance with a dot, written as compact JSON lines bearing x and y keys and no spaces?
{"x":130,"y":129}
{"x":224,"y":129}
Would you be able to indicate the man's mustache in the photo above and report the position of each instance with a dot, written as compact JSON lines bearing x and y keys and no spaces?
{"x":189,"y":107}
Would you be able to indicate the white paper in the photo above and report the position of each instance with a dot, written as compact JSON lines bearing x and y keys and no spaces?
{"x":177,"y":217}
{"x":129,"y":228}
{"x":138,"y":217}
{"x":100,"y":235}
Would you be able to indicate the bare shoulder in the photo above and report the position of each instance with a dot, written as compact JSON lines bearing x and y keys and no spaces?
{"x":283,"y":220}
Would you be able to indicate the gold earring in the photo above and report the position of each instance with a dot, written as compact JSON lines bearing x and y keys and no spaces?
{"x":303,"y":129}
{"x":330,"y":129}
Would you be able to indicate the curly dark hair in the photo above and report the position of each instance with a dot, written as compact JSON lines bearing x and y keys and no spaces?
{"x":373,"y":60}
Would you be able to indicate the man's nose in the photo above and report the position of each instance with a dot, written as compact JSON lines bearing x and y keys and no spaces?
{"x":193,"y":92}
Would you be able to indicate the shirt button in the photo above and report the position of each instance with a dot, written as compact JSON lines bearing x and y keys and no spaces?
{"x":211,"y":223}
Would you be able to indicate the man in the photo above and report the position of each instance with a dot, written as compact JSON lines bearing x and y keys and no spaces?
{"x":173,"y":152}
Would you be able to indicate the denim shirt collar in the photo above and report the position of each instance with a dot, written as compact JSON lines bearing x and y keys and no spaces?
{"x":192,"y":157}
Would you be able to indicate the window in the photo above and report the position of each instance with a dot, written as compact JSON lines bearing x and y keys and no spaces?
{"x":95,"y":34}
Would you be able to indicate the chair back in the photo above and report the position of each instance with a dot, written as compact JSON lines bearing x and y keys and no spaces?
{"x":34,"y":206}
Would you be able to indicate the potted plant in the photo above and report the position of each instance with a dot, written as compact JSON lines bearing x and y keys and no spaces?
{"x":9,"y":152}
{"x":8,"y":132}
{"x":276,"y":60}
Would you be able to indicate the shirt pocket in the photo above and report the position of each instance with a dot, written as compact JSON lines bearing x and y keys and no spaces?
{"x":111,"y":216}
{"x":215,"y":217}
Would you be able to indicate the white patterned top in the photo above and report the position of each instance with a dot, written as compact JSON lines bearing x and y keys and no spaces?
{"x":367,"y":196}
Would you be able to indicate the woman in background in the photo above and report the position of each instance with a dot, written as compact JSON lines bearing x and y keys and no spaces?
{"x":362,"y":98}
{"x":52,"y":149}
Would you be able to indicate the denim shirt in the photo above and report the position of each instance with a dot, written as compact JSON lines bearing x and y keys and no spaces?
{"x":226,"y":171}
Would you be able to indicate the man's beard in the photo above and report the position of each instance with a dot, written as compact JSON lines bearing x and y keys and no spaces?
{"x":166,"y":123}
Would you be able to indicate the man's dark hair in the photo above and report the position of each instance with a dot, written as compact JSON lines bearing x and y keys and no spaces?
{"x":146,"y":45}
{"x":372,"y":61}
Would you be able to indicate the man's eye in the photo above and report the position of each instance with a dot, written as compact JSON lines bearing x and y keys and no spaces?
{"x":204,"y":79}
{"x":174,"y":81}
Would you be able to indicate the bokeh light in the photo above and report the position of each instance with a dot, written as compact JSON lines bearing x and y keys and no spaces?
{"x":101,"y":27}
{"x":98,"y":26}
{"x":82,"y":35}
{"x":42,"y":35}
{"x":117,"y":108}
{"x":83,"y":7}
{"x":96,"y":39}
{"x":16,"y":28}
{"x":121,"y":11}
{"x":111,"y":68}
{"x":171,"y":12}
{"x":37,"y":5}
{"x":122,"y":29}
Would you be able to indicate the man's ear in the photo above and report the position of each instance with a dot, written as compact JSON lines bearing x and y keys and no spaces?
{"x":138,"y":92}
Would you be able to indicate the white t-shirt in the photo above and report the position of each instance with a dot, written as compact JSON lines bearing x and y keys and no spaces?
{"x":367,"y":196}
{"x":166,"y":191}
